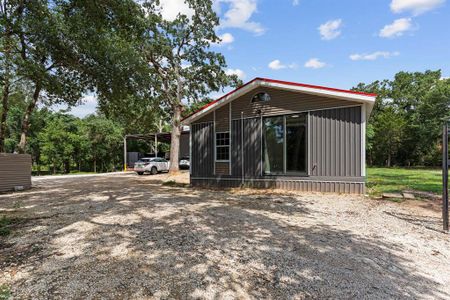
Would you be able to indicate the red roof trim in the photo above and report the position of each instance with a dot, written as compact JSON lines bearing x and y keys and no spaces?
{"x":217,"y":100}
{"x":316,"y":87}
{"x":280,"y":82}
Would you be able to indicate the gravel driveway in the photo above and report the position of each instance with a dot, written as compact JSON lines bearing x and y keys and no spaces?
{"x":125,"y":236}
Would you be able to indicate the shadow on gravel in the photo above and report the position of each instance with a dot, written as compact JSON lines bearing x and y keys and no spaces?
{"x":127,"y":240}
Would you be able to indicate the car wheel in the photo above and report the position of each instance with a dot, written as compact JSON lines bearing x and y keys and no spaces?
{"x":140,"y":173}
{"x":153,"y":171}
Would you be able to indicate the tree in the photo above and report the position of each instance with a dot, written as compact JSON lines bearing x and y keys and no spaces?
{"x":45,"y":59}
{"x":105,"y":142}
{"x":7,"y":43}
{"x":407,"y":118}
{"x":185,"y":70}
{"x":58,"y":141}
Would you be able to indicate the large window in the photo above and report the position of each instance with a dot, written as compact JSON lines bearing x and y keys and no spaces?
{"x":273,"y":145}
{"x":222,"y":146}
{"x":284,"y":144}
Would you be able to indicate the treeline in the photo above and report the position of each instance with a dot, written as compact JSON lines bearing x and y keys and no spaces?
{"x":61,"y":143}
{"x":405,"y":128}
{"x":141,"y":65}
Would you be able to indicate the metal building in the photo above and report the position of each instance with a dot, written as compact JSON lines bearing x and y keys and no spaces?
{"x":277,"y":134}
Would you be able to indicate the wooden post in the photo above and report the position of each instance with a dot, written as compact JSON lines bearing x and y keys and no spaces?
{"x":125,"y":153}
{"x":445,"y":177}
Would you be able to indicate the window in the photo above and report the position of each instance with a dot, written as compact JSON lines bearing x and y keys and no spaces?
{"x":222,"y":146}
{"x":285,"y":144}
{"x":273,"y":145}
{"x":261,"y":97}
{"x":296,"y":143}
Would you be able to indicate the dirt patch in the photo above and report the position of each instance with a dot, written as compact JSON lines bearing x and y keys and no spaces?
{"x":128,"y":237}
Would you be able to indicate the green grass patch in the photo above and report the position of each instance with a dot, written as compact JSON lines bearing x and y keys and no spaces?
{"x":6,"y":223}
{"x":396,"y":180}
{"x":5,"y":292}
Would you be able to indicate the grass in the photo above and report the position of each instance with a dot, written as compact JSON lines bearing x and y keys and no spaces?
{"x":5,"y":224}
{"x":5,"y":293}
{"x":396,"y":180}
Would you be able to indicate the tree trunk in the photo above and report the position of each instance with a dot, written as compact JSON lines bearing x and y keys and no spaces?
{"x":175,"y":139}
{"x":5,"y":108}
{"x":26,"y":118}
{"x":6,"y":82}
{"x":95,"y":165}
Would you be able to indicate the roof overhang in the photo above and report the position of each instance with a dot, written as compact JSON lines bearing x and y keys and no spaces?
{"x":358,"y":97}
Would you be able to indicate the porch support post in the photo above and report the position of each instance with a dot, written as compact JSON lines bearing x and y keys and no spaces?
{"x":125,"y":153}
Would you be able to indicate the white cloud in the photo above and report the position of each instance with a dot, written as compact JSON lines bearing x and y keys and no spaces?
{"x":238,"y":15}
{"x":240,"y":74}
{"x":226,"y":38}
{"x":171,"y":8}
{"x":330,"y":30}
{"x":315,"y":63}
{"x":295,"y":2}
{"x":277,"y":65}
{"x":374,"y":55}
{"x":397,"y":28}
{"x":415,"y":6}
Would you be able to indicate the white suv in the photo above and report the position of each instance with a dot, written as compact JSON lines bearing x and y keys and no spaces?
{"x":151,"y":165}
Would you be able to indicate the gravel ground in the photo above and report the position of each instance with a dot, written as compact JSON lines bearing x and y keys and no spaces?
{"x":128,"y":237}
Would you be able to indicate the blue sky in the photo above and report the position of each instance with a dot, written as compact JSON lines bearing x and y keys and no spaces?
{"x":326,"y":42}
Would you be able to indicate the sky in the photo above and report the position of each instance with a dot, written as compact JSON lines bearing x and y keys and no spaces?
{"x":325,"y":42}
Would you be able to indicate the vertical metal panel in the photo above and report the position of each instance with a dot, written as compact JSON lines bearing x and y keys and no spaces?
{"x":15,"y":170}
{"x":336,"y":142}
{"x":236,"y":132}
{"x":202,"y":162}
{"x":252,"y":147}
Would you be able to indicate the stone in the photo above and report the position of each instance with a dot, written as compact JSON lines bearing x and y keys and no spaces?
{"x":392,"y":195}
{"x":408,"y":196}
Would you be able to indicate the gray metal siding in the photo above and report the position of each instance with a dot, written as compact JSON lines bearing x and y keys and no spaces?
{"x":335,"y":142}
{"x":223,"y":119}
{"x":15,"y":170}
{"x":251,"y":154}
{"x":184,"y":144}
{"x":202,"y":160}
{"x":285,"y":184}
{"x":222,"y":168}
{"x":282,"y":102}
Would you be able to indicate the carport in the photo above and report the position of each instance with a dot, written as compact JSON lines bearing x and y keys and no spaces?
{"x":154,"y":139}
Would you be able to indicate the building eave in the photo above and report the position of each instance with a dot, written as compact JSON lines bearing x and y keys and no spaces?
{"x":359,"y":97}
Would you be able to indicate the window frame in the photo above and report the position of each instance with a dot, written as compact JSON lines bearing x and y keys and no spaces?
{"x":260,"y":102}
{"x":285,"y":172}
{"x":216,"y":146}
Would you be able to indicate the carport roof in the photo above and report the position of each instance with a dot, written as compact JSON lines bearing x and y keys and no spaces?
{"x":361,"y":97}
{"x":163,"y":137}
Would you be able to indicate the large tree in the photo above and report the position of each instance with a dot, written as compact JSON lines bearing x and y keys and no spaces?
{"x":407,"y":118}
{"x":8,"y":15}
{"x":185,"y":68}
